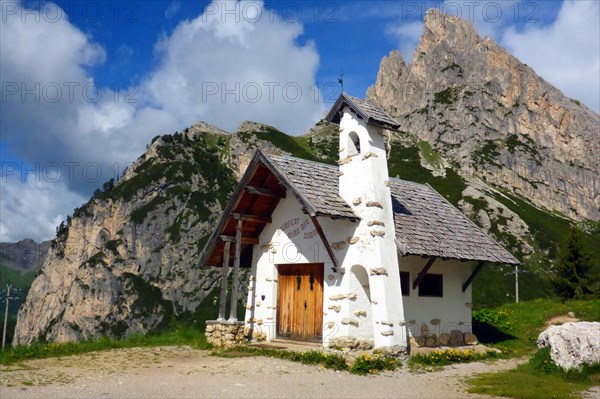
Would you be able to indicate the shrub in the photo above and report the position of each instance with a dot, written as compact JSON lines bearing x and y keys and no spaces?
{"x":311,"y":357}
{"x":542,"y":362}
{"x":451,"y":356}
{"x":499,"y":318}
{"x":367,"y":364}
{"x":335,"y":362}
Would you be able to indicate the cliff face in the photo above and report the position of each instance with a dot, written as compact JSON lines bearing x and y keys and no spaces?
{"x":493,"y":117}
{"x":127,"y":260}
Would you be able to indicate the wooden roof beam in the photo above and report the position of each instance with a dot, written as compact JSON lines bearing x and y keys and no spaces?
{"x":252,"y":218}
{"x":325,"y":242}
{"x":423,"y":272}
{"x":472,"y":276}
{"x":245,"y":240}
{"x":265,"y":192}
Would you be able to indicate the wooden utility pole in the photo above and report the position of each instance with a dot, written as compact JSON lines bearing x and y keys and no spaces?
{"x":517,"y":283}
{"x":8,"y":287}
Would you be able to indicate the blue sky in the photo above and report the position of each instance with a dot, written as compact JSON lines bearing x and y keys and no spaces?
{"x":351,"y":36}
{"x":87,"y":84}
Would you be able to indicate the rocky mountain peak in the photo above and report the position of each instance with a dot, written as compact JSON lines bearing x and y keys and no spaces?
{"x":494,"y":117}
{"x":203,"y":127}
{"x":24,"y":255}
{"x":251,"y":126}
{"x":443,"y":27}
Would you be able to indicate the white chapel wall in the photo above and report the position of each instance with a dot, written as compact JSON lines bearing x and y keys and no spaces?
{"x":292,"y":239}
{"x":453,"y":310}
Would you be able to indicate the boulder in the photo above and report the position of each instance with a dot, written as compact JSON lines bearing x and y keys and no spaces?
{"x":470,"y":339}
{"x":456,"y":338}
{"x":412,"y":342}
{"x":572,"y":344}
{"x":444,"y":339}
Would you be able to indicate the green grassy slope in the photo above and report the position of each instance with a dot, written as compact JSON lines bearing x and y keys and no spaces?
{"x":18,"y":280}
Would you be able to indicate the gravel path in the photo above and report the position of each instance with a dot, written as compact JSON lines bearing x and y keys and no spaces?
{"x":182,"y":372}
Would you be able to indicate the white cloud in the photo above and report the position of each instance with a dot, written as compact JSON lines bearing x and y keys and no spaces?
{"x":567,"y":52}
{"x":253,"y":68}
{"x":213,"y":67}
{"x":407,"y":35}
{"x":31,"y":209}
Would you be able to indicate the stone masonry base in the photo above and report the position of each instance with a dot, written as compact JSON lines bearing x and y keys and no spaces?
{"x":225,"y":334}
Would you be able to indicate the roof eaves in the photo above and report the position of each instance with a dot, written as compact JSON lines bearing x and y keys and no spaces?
{"x":234,"y":199}
{"x":332,"y":114}
{"x":358,"y":109}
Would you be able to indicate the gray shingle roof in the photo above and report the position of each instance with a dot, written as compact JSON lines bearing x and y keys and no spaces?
{"x":317,"y":183}
{"x":426,"y":224}
{"x":366,"y":109}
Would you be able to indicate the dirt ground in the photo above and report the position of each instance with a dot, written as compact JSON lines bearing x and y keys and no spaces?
{"x":182,"y":372}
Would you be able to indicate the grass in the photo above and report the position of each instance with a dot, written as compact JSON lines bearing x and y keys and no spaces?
{"x":332,"y":361}
{"x":17,"y":278}
{"x":174,"y":335}
{"x":405,"y":163}
{"x":367,"y":364}
{"x":20,"y":280}
{"x":515,"y":327}
{"x":431,"y":157}
{"x":280,"y":140}
{"x":452,"y":356}
{"x":549,"y":230}
{"x":525,"y":382}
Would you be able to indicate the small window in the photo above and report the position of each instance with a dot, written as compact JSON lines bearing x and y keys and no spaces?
{"x":353,"y":144}
{"x":405,"y":283}
{"x":432,"y":285}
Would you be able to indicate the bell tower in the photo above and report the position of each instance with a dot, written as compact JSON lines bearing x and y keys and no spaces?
{"x":364,"y":185}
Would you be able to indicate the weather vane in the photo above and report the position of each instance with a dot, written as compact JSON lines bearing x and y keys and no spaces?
{"x":341,"y":80}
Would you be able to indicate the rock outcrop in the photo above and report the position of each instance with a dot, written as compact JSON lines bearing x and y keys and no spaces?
{"x":572,"y":344}
{"x":494,"y":117}
{"x":127,"y":261}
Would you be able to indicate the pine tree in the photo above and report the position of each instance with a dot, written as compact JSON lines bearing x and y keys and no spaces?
{"x":572,"y":276}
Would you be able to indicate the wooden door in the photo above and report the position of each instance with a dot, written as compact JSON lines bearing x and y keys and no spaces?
{"x":300,"y":302}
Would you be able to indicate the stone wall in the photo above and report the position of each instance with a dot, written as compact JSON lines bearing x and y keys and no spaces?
{"x":351,"y":343}
{"x":455,"y":338}
{"x":224,"y":334}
